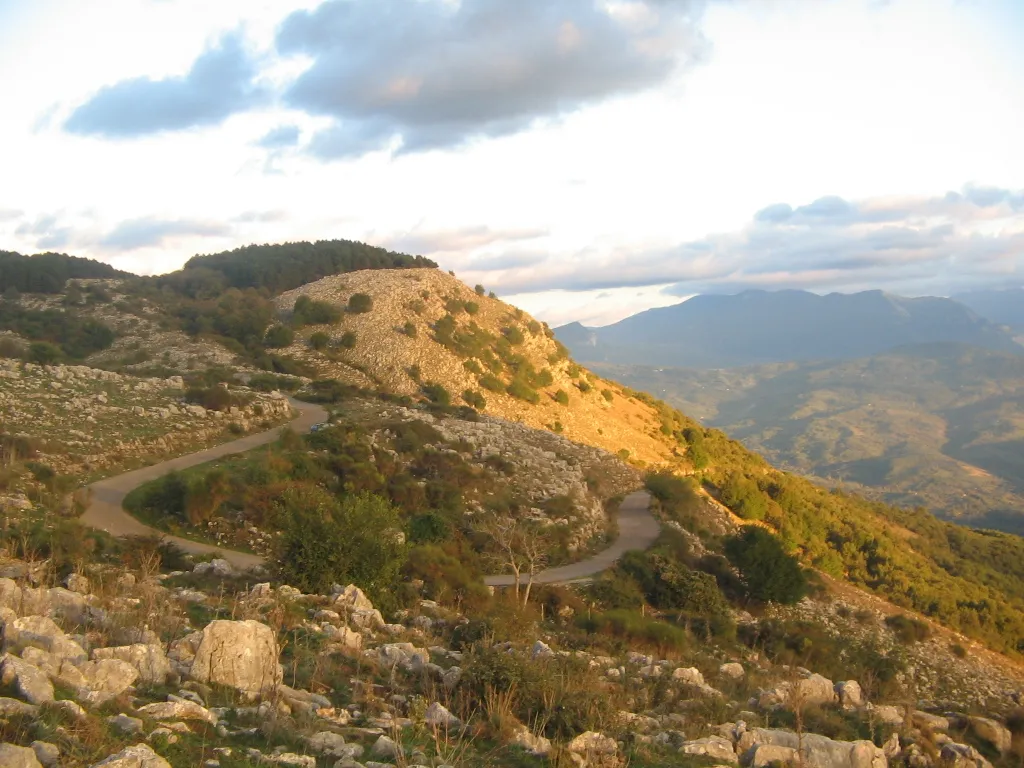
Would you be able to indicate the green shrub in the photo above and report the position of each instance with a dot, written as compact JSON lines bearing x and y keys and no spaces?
{"x":908,"y":629}
{"x":319,"y":340}
{"x":475,"y":399}
{"x":309,"y":311}
{"x":472,"y":307}
{"x":583,"y":386}
{"x":513,"y":335}
{"x":44,"y":353}
{"x":562,"y":397}
{"x":480,"y":290}
{"x":520,"y":390}
{"x":347,"y":340}
{"x":534,"y":328}
{"x":410,"y":330}
{"x":360,"y":303}
{"x":769,"y":573}
{"x":492,"y":383}
{"x":414,"y":371}
{"x":278,"y":336}
{"x":473,"y":367}
{"x":607,"y":395}
{"x":436,"y":393}
{"x":357,"y":539}
{"x":211,"y":398}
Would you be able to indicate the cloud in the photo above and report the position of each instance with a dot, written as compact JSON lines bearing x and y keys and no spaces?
{"x":461,"y":240}
{"x":150,"y":232}
{"x":939,"y":244}
{"x":435,"y":74}
{"x":10,"y":214}
{"x":261,"y":217}
{"x":282,"y":137}
{"x":219,"y":84}
{"x":47,"y":232}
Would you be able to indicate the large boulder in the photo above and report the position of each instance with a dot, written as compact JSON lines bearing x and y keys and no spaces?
{"x":41,"y":632}
{"x":139,"y":756}
{"x":593,"y":750}
{"x":817,"y":751}
{"x":12,"y":756}
{"x":850,"y":694}
{"x":353,"y":598}
{"x":715,"y":747}
{"x":31,"y":682}
{"x":765,"y":755}
{"x":149,"y":661}
{"x":962,"y":756}
{"x":531,"y":742}
{"x":108,"y":678}
{"x":180,"y":709}
{"x":239,"y":654}
{"x":996,"y":734}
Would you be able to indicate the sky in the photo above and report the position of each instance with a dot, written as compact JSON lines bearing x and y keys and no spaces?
{"x":585,"y":159}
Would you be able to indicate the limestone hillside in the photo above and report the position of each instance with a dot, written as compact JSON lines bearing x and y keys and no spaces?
{"x":386,"y":350}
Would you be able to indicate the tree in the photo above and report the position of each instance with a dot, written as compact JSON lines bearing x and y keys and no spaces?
{"x":309,"y":311}
{"x":480,"y":290}
{"x":279,"y":336}
{"x":436,"y":393}
{"x":357,"y":539}
{"x":769,"y":573}
{"x":521,"y":547}
{"x":360,"y":303}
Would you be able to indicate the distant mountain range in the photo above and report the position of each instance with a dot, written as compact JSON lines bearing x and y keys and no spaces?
{"x":938,"y":425}
{"x":1005,"y":307}
{"x":758,"y":327}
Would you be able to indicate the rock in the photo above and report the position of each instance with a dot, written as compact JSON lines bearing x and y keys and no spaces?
{"x":354,"y":599}
{"x":850,"y":694}
{"x":109,"y":677}
{"x":126,"y":724}
{"x":76,"y":582}
{"x":438,"y":716}
{"x":732,"y":669}
{"x":40,"y":632}
{"x":178,"y":710}
{"x":15,"y":708}
{"x":962,"y":756}
{"x":32,"y":683}
{"x":994,"y":733}
{"x":542,"y":650}
{"x":451,"y":676}
{"x":926,"y":720}
{"x":531,"y":742}
{"x":887,"y":714}
{"x":216,"y":567}
{"x":46,"y":753}
{"x":332,"y":744}
{"x":239,"y":654}
{"x":764,"y":755}
{"x":149,"y":661}
{"x":715,"y":747}
{"x":72,"y":710}
{"x":386,"y":747}
{"x":292,"y":760}
{"x":818,"y":751}
{"x":18,"y":757}
{"x":689,"y":676}
{"x":891,"y":749}
{"x":139,"y":756}
{"x":593,"y":750}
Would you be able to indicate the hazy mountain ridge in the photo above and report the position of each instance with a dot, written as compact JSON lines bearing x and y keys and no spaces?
{"x":940,"y":425}
{"x":758,"y":327}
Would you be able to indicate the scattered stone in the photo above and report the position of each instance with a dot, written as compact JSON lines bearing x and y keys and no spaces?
{"x":534,"y":744}
{"x":178,"y":710}
{"x":32,"y":683}
{"x":138,"y":756}
{"x":46,"y":753}
{"x":126,"y":724}
{"x":12,"y":756}
{"x":715,"y":747}
{"x":732,"y":669}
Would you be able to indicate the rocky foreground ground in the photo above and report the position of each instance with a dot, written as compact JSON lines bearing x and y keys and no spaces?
{"x":143,"y":670}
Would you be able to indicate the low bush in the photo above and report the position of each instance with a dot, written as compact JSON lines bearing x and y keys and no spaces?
{"x":908,"y":629}
{"x":360,"y":303}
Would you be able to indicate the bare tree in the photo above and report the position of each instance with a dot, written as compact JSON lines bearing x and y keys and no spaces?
{"x":522,"y":548}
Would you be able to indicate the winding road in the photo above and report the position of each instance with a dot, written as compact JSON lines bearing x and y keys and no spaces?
{"x":637,"y":530}
{"x":106,"y":510}
{"x":637,"y":527}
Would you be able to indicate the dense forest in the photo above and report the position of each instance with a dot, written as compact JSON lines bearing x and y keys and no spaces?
{"x":279,"y":268}
{"x":48,"y":272}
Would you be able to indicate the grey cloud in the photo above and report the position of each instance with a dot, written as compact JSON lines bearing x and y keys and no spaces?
{"x":146,"y":232}
{"x":47,"y":231}
{"x":503,"y":261}
{"x":282,"y":137}
{"x":260,"y":217}
{"x":930,"y":244}
{"x":10,"y":214}
{"x":433,"y":74}
{"x":220,"y":83}
{"x":464,"y":239}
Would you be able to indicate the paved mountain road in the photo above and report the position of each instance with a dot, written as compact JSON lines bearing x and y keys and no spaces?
{"x":637,"y":527}
{"x":106,"y":501}
{"x":637,"y":530}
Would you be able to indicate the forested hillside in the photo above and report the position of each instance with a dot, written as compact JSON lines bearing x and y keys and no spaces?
{"x":48,"y":272}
